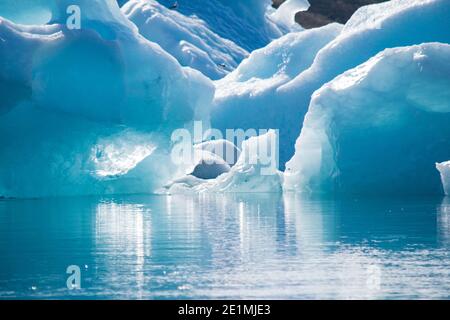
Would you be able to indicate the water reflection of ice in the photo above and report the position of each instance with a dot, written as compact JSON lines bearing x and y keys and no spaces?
{"x":122,"y":242}
{"x":444,"y":222}
{"x":279,"y":246}
{"x":227,"y":246}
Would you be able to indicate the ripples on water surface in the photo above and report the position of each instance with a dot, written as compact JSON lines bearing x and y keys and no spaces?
{"x":226,"y":246}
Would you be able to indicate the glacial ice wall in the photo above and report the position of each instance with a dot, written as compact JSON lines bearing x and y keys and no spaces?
{"x":69,"y":99}
{"x":379,"y":128}
{"x":186,"y":38}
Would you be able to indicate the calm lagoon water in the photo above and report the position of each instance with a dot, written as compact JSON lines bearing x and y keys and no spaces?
{"x":226,"y":246}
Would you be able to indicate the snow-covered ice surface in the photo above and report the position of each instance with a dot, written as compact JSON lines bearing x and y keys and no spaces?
{"x":71,"y":97}
{"x":374,"y":28}
{"x":397,"y":23}
{"x":187,"y":38}
{"x":379,"y":128}
{"x":444,"y":169}
{"x":268,"y":68}
{"x":284,"y":16}
{"x":248,"y":98}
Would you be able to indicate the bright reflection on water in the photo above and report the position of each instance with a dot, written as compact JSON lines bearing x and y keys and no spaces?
{"x":226,"y":246}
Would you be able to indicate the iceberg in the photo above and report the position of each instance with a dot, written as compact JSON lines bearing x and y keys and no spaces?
{"x":444,"y":169}
{"x":248,"y":98}
{"x":70,"y":98}
{"x":186,"y":38}
{"x":91,"y":110}
{"x":284,"y":16}
{"x":276,"y":64}
{"x":378,"y":128}
{"x":372,"y":29}
{"x":254,"y":172}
